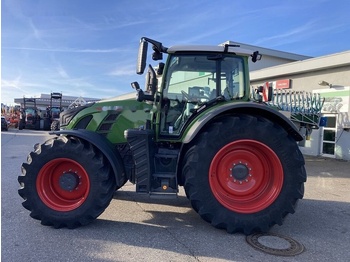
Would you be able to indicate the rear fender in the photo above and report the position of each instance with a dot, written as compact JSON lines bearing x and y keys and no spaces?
{"x":104,"y":146}
{"x":249,"y":108}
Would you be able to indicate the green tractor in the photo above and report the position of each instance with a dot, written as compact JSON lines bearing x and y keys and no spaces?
{"x":198,"y":125}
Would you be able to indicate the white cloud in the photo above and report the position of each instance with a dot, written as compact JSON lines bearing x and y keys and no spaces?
{"x":124,"y":70}
{"x":62,"y":72}
{"x":291,"y":34}
{"x":16,"y":88}
{"x":69,"y":50}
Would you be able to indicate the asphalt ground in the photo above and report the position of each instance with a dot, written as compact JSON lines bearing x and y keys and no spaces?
{"x":137,"y":228}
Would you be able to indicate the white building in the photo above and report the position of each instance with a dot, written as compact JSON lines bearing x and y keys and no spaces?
{"x":330,"y":76}
{"x":270,"y":57}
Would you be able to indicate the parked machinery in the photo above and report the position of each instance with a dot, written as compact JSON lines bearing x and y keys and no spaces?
{"x":29,"y":117}
{"x":55,"y":110}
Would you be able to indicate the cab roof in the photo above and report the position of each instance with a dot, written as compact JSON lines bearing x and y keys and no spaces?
{"x":209,"y":48}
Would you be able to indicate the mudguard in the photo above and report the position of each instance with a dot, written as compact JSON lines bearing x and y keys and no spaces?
{"x":249,"y":108}
{"x":104,"y":146}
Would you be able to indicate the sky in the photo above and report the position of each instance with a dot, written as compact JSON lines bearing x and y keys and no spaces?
{"x":89,"y":48}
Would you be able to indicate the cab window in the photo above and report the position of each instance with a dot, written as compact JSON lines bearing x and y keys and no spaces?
{"x":192,"y":80}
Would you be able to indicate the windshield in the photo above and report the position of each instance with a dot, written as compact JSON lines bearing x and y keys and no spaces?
{"x":197,"y":76}
{"x":193,"y":80}
{"x":30,"y":111}
{"x":55,"y":109}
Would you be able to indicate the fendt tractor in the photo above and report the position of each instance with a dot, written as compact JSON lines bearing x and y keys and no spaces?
{"x":198,"y":124}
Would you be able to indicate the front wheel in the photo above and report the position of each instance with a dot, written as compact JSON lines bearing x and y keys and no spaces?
{"x":55,"y":125}
{"x":244,"y":174}
{"x":66,"y":182}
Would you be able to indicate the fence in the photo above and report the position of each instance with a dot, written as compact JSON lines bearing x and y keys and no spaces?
{"x":304,"y":106}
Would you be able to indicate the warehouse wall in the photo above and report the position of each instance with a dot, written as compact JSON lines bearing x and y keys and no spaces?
{"x":309,"y":81}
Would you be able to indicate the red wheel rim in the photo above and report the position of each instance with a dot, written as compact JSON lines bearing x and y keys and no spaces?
{"x":246,"y":176}
{"x":49,"y":185}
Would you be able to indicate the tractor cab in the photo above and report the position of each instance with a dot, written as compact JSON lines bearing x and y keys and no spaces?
{"x":193,"y":79}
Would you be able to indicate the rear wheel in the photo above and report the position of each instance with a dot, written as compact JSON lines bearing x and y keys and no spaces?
{"x":244,"y":174}
{"x":66,"y":183}
{"x":46,"y":124}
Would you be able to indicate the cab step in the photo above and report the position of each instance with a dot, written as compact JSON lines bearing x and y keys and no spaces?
{"x":159,"y":195}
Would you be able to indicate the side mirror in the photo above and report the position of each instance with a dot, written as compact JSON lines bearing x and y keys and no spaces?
{"x":157,"y":55}
{"x":142,"y":56}
{"x":135,"y":85}
{"x":256,"y":56}
{"x":160,"y":69}
{"x":158,"y":49}
{"x":140,"y":96}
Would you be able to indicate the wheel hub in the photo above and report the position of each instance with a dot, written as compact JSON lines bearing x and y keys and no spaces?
{"x":246,"y":176}
{"x":240,"y":172}
{"x":69,"y":181}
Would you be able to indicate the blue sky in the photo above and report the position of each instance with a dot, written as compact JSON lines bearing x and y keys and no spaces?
{"x":89,"y":48}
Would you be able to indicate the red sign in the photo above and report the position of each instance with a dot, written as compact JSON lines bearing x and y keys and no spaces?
{"x":265,"y":92}
{"x":284,"y":83}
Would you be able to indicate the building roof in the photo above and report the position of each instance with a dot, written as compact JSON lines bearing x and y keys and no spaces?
{"x":308,"y":65}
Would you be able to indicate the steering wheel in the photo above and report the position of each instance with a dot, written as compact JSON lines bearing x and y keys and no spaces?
{"x":194,"y":99}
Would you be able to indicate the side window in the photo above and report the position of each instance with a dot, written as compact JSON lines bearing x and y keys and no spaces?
{"x":232,"y":84}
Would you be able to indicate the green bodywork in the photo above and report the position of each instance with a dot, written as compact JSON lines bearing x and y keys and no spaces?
{"x":111,"y":117}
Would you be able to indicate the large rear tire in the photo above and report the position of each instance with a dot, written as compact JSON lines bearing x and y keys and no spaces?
{"x":244,"y":174}
{"x":66,"y":182}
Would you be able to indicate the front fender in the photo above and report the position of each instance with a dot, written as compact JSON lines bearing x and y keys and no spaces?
{"x":104,"y":146}
{"x":249,"y":108}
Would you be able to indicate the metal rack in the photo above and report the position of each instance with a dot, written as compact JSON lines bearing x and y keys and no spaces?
{"x":305,"y":107}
